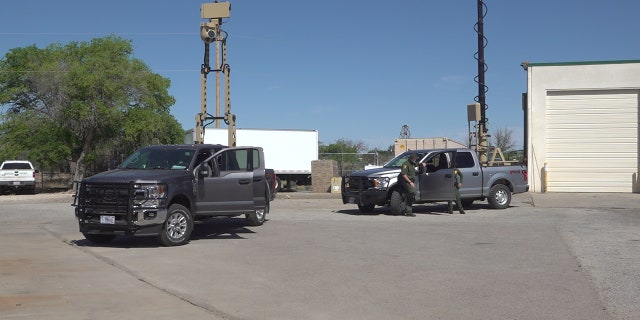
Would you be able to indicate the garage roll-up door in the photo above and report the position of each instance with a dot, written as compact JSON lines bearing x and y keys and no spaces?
{"x":591,"y":140}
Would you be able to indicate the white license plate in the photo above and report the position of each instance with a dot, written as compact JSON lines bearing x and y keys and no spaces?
{"x":16,"y":183}
{"x":108,"y":219}
{"x":352,"y":200}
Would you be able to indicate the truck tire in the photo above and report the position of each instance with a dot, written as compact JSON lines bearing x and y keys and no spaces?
{"x":397,"y":203}
{"x":366,"y":207}
{"x":258,"y":216}
{"x":177,"y":229}
{"x":278,"y":184}
{"x":499,"y":196}
{"x":99,"y":238}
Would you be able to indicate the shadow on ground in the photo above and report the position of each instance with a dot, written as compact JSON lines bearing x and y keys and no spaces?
{"x":219,"y":228}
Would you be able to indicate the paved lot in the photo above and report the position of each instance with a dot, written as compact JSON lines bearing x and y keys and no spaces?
{"x":549,"y":256}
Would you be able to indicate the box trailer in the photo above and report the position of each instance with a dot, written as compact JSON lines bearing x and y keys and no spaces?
{"x":289,"y":152}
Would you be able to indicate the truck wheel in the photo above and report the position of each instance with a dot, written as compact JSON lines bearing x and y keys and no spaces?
{"x":397,"y":203}
{"x":258,"y":216}
{"x":366,"y":207}
{"x":177,"y":228}
{"x":499,"y":197}
{"x":99,"y":238}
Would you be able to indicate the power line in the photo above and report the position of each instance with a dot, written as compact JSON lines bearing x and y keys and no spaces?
{"x":96,"y":33}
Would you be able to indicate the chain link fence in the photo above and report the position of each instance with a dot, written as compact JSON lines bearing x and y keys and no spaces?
{"x":351,"y":162}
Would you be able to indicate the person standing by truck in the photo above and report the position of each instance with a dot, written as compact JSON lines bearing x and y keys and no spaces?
{"x":408,"y":179}
{"x":457,"y":184}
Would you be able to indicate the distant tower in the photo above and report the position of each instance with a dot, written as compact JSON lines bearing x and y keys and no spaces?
{"x":405,"y":133}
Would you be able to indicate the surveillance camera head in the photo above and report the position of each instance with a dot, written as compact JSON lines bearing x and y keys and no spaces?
{"x":207,"y":33}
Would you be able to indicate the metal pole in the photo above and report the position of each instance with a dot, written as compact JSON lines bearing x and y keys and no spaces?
{"x":482,"y":136}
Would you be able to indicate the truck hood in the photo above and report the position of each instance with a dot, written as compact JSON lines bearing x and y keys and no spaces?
{"x":377,"y":172}
{"x":131,"y":175}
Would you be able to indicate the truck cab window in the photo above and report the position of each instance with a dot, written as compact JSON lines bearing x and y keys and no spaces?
{"x":464,"y":160}
{"x":437,"y":162}
{"x":255,"y":159}
{"x":234,"y":160}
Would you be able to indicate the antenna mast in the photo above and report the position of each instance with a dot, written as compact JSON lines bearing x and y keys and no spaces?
{"x":481,"y":133}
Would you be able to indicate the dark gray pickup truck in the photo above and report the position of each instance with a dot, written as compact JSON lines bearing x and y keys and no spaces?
{"x":434,"y":183}
{"x":163,"y":190}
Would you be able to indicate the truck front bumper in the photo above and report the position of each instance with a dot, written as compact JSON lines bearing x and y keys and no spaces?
{"x":138,"y":222}
{"x":365,"y":197}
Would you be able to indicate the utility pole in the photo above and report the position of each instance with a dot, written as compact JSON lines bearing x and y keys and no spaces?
{"x":211,"y":32}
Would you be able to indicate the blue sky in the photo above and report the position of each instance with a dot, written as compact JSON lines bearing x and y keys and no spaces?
{"x":353,"y":69}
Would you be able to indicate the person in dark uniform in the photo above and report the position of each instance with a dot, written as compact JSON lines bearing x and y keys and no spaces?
{"x":457,"y":184}
{"x":408,"y":178}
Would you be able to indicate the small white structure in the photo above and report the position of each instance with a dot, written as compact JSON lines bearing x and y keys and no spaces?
{"x":401,"y":145}
{"x":582,"y":126}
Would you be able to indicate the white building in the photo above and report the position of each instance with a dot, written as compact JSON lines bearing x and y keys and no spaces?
{"x":582,"y":126}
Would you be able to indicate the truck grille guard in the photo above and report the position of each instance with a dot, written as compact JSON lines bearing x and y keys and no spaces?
{"x":114,"y":199}
{"x":356,"y":183}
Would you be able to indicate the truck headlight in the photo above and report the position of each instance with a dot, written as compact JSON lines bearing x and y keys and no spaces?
{"x":381,"y":183}
{"x":149,"y":195}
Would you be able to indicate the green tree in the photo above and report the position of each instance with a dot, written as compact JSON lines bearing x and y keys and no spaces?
{"x":82,"y":102}
{"x":345,"y":152}
{"x":342,"y":150}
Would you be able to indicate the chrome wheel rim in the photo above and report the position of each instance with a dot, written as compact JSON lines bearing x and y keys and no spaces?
{"x":176,"y":226}
{"x":501,"y":197}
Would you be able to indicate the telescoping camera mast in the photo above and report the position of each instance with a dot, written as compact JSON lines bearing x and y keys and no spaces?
{"x":477,"y":111}
{"x":211,"y":32}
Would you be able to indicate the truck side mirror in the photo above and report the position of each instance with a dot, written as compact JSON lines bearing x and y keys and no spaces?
{"x":204,"y":171}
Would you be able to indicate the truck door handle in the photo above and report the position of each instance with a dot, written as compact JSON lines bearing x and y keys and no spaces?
{"x":475,"y":174}
{"x":448,"y":175}
{"x":244,"y":181}
{"x":257,"y":179}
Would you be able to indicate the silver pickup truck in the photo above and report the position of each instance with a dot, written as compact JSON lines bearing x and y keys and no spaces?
{"x":17,"y":175}
{"x":434,"y":181}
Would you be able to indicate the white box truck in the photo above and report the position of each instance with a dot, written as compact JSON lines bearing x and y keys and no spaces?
{"x":289,"y":152}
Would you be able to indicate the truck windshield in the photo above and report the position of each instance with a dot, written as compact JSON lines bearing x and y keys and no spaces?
{"x":159,"y":158}
{"x":399,"y":160}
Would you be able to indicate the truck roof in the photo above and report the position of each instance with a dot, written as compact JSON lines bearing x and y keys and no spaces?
{"x":437,"y":150}
{"x":190,"y":146}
